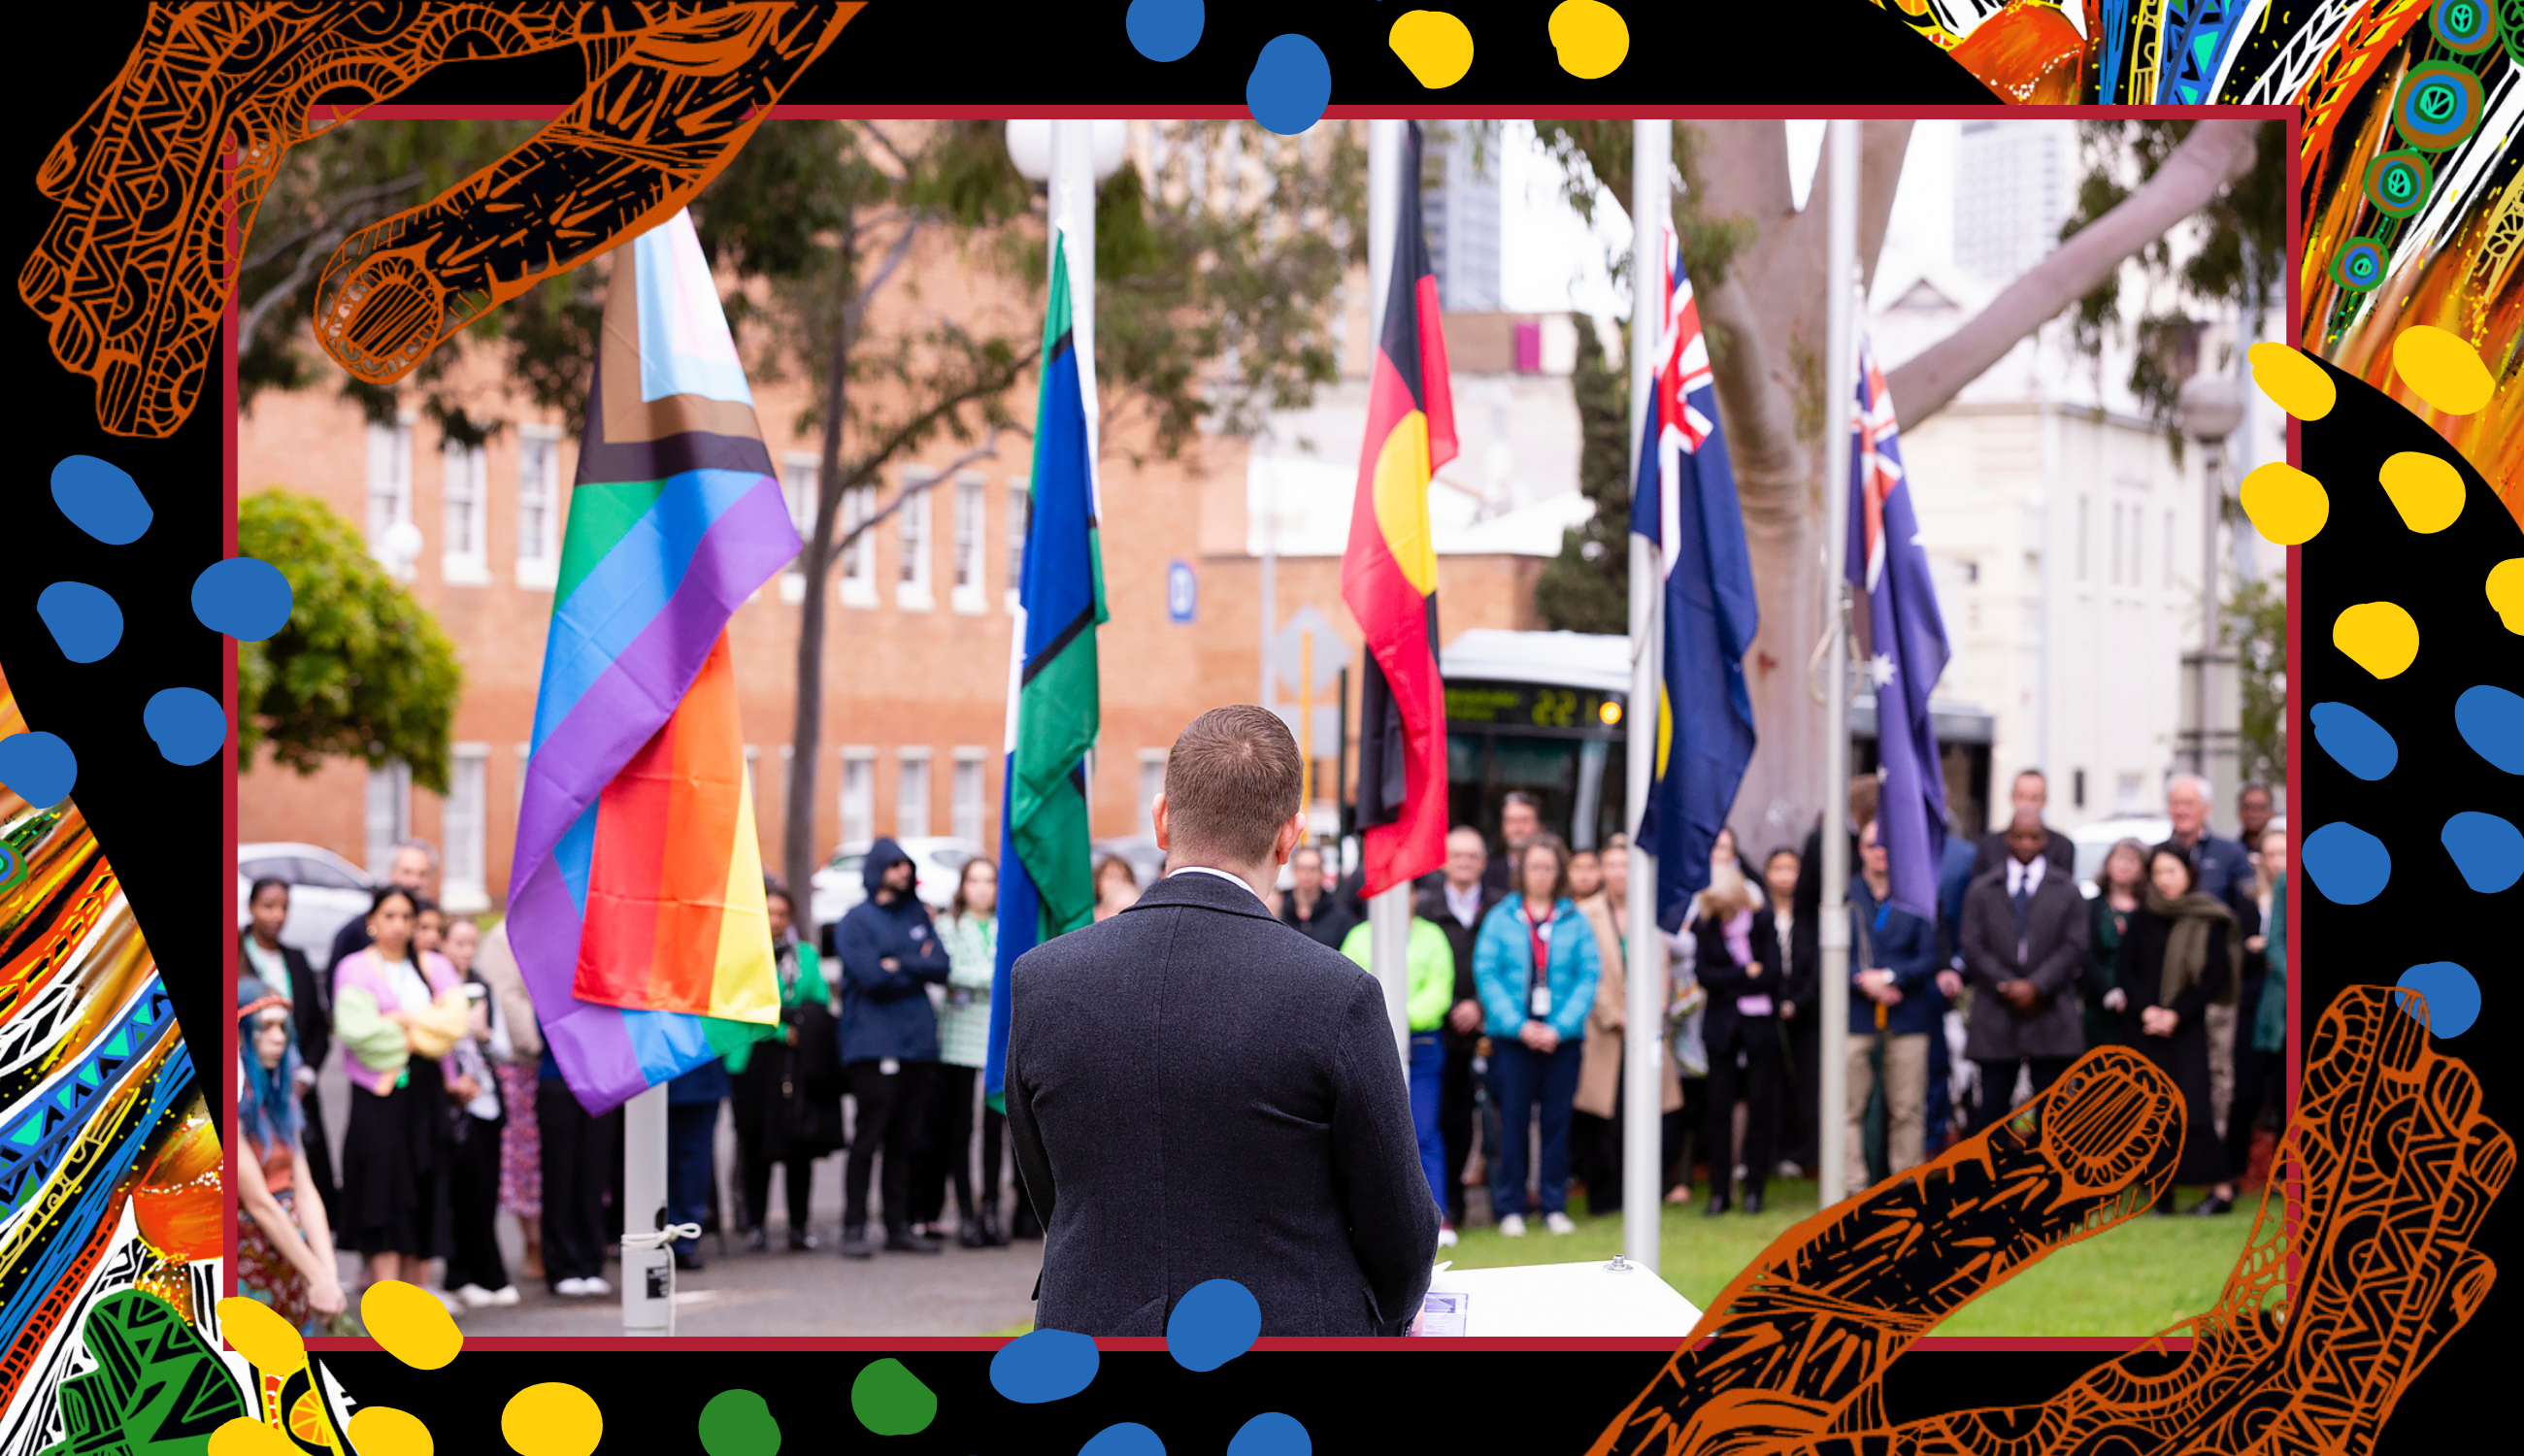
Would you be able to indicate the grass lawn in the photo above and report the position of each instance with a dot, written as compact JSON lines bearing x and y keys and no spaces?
{"x":2136,"y":1279}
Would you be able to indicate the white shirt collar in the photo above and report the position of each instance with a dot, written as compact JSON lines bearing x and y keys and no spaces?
{"x":2028,"y":877}
{"x":1465,"y":904}
{"x":1237,"y":881}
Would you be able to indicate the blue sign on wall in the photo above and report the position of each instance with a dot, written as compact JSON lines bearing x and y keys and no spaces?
{"x":1183,"y":591}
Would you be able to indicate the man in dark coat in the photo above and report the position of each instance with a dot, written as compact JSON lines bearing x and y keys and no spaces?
{"x":1310,"y":909}
{"x":2023,"y":943}
{"x":1520,"y":821}
{"x":410,"y":868}
{"x":1195,"y":1092}
{"x":2031,"y":792}
{"x":890,"y":952}
{"x":1456,"y":904}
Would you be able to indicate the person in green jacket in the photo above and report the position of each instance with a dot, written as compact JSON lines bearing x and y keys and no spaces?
{"x":777,"y":1121}
{"x":1432,"y":963}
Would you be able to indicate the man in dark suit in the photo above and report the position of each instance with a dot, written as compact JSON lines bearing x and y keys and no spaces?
{"x":2024,"y":942}
{"x":1189,"y":1073}
{"x":2031,"y":792}
{"x":1456,"y":904}
{"x":1520,"y":820}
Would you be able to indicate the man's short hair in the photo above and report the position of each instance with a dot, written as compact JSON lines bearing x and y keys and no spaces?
{"x":1305,"y":849}
{"x":1864,"y":792}
{"x":1468,"y":829}
{"x":2030,"y":773}
{"x":428,"y":850}
{"x":1517,"y":797}
{"x":2262,"y":789}
{"x":1231,"y":780}
{"x":2194,"y":782}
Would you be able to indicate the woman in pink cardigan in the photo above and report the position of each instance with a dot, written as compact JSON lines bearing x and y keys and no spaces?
{"x":388,"y":1015}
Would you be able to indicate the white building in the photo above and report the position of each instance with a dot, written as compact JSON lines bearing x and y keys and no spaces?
{"x":2015,"y":182}
{"x":1460,"y":216}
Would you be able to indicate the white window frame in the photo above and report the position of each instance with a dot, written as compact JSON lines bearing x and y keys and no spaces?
{"x":389,"y":488}
{"x":858,"y":773}
{"x":753,"y":786}
{"x":972,"y":538}
{"x":465,"y":511}
{"x":856,"y":567}
{"x":388,"y":814}
{"x":968,"y":812}
{"x":1151,"y":761}
{"x":2082,"y":538}
{"x":1020,"y":519}
{"x":464,"y":831}
{"x":801,"y":486}
{"x":517,"y":802}
{"x":916,"y":542}
{"x":913,"y":787}
{"x":539,"y":545}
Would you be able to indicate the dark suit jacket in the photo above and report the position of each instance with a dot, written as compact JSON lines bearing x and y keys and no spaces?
{"x":1992,"y":855}
{"x":311,"y":1002}
{"x":1196,"y":1091}
{"x":2056,"y":922}
{"x":1727,"y":983}
{"x":1460,"y":939}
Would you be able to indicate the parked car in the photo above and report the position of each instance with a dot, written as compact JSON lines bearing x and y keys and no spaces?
{"x":325,"y":892}
{"x":1146,"y":860}
{"x":939,"y":861}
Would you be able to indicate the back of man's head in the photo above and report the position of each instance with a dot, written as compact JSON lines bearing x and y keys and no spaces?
{"x":1231,"y":780}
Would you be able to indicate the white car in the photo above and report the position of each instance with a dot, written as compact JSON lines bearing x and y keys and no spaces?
{"x":2095,"y":842}
{"x":325,"y":892}
{"x":938,"y":861}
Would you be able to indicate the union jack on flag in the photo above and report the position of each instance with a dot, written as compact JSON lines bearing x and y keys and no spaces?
{"x":1879,"y":456}
{"x":1683,"y":357}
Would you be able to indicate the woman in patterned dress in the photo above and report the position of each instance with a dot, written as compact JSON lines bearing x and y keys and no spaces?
{"x":284,"y":1253}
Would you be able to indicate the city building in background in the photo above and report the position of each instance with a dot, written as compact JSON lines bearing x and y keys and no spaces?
{"x":2015,"y":183}
{"x":1459,"y":210}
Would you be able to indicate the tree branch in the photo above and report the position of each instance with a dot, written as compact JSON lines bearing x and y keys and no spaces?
{"x":359,"y":198}
{"x":980,"y":388}
{"x":901,"y":249}
{"x":989,"y":447}
{"x":2215,"y":154}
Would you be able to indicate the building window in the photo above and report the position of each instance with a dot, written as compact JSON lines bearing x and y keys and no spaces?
{"x":460,"y":882}
{"x":859,"y":558}
{"x":537,"y":506}
{"x":912,"y":802}
{"x":2168,"y":548}
{"x":911,"y":589}
{"x":1152,"y":782}
{"x":389,"y":815}
{"x":969,"y":795}
{"x":389,"y":488}
{"x":462,"y":559}
{"x":2128,"y":791}
{"x":1020,"y":508}
{"x":858,"y":796}
{"x":969,"y":584}
{"x":2078,"y":788}
{"x":2119,"y":513}
{"x":801,"y":485}
{"x":2138,"y":534}
{"x":2081,"y":538}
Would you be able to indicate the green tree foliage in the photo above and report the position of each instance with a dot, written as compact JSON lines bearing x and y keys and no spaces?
{"x":2256,"y":625}
{"x":1586,"y":588}
{"x":361,"y":671}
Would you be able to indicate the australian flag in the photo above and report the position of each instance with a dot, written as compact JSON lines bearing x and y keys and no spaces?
{"x":1683,"y":503}
{"x":1905,"y":645}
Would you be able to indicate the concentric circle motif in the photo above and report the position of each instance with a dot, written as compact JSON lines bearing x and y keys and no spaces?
{"x":2397,"y":183}
{"x":2439,"y":106}
{"x":2360,"y":265}
{"x":2465,"y":28}
{"x":2510,"y":28}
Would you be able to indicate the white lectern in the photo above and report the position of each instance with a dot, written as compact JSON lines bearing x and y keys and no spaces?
{"x":1616,"y":1298}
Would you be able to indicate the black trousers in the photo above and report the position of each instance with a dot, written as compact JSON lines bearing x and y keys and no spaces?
{"x":582,"y":1159}
{"x":1998,"y":1083}
{"x":1455,"y":1097}
{"x":319,"y":1151}
{"x":474,"y":1190}
{"x":1801,"y":1135}
{"x":1757,"y":1084}
{"x":942,"y":1154}
{"x":799,"y":1181}
{"x":890,"y":1107}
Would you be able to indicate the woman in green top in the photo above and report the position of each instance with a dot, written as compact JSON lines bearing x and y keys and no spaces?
{"x":777,"y":1119}
{"x":1431,"y":960}
{"x":970,"y":932}
{"x":2119,"y":891}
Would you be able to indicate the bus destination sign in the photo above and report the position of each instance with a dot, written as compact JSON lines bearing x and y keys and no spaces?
{"x":1528,"y":705}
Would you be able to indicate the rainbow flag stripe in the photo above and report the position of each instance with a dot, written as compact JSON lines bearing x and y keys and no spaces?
{"x":635,"y":905}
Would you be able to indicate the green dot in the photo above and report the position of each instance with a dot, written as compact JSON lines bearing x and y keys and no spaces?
{"x":739,"y":1422}
{"x":889,"y":1400}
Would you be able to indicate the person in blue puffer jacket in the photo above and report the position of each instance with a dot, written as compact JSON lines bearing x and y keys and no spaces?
{"x":1536,"y":965}
{"x":1892,"y":969}
{"x":890,"y":953}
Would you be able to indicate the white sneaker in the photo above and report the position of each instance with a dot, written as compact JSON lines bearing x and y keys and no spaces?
{"x":571,"y":1289}
{"x":1445,"y":1235}
{"x":503,"y":1296}
{"x":596,"y":1286}
{"x":455,"y":1305}
{"x":1513,"y":1226}
{"x":474,"y":1297}
{"x":1558,"y":1223}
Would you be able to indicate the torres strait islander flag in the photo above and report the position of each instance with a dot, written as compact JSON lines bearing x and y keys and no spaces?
{"x":635,"y":905}
{"x":1389,"y":574}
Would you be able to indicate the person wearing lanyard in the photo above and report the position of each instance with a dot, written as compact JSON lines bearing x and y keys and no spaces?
{"x":1536,"y":965}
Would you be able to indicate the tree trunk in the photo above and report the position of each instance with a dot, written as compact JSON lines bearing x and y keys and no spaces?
{"x":797,"y":857}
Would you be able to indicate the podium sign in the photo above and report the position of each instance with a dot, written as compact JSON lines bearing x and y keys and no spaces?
{"x":1596,"y":1299}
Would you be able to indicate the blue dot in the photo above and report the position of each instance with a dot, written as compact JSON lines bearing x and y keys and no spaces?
{"x":244,"y":597}
{"x":2355,"y":740}
{"x":84,"y":620}
{"x":2488,"y":849}
{"x":37,"y":767}
{"x":1128,"y":1438}
{"x":2492,"y":721}
{"x":187,"y":722}
{"x":2348,"y":865}
{"x":1046,"y":1364}
{"x":1290,"y":85}
{"x":2453,"y":997}
{"x":1164,"y":29}
{"x":1215,"y":1320}
{"x":1272,"y":1433}
{"x":100,"y":499}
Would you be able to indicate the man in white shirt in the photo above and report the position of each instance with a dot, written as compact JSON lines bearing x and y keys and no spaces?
{"x":2023,"y":945}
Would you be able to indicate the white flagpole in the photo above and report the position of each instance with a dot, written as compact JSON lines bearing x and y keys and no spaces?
{"x":1840,"y":386}
{"x":1643,"y":1048}
{"x":648,"y":1267}
{"x":1388,"y":915}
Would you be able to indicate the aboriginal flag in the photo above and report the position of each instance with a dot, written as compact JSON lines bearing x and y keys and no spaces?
{"x":1389,"y":574}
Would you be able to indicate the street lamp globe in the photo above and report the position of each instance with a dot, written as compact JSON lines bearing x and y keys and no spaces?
{"x":403,"y":542}
{"x":2211,"y":408}
{"x":1030,"y":148}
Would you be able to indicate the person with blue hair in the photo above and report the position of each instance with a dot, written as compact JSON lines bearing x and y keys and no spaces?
{"x":284,"y":1249}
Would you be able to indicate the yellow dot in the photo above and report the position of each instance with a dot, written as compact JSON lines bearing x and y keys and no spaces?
{"x":2506,"y":592}
{"x":2286,"y":505}
{"x":2294,"y":382}
{"x":2377,"y":635}
{"x":2445,"y":371}
{"x":1591,"y":37}
{"x":383,"y":1430}
{"x":247,"y":1437}
{"x":552,"y":1419}
{"x":1435,"y":45}
{"x":2426,"y":488}
{"x":264,"y":1337}
{"x":411,"y":1322}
